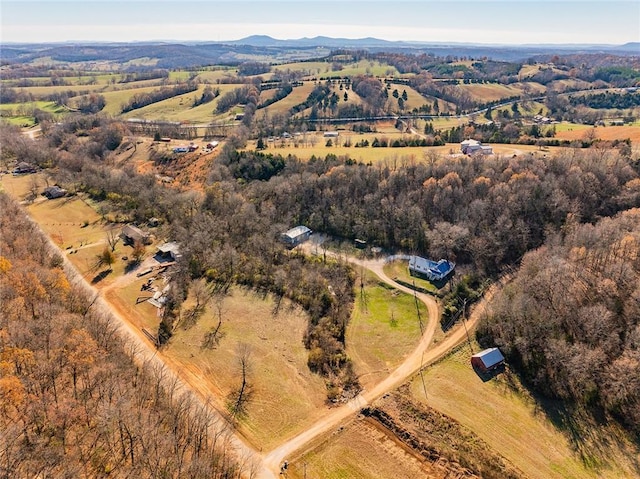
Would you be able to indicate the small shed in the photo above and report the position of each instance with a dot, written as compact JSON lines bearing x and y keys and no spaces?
{"x":487,"y":360}
{"x":130,"y":234}
{"x":296,"y":235}
{"x":360,"y":243}
{"x":53,"y":192}
{"x":23,"y":168}
{"x":169,"y":251}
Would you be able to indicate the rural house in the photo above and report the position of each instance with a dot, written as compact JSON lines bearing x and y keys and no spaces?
{"x":296,"y":235}
{"x":427,"y":269}
{"x":469,"y":147}
{"x":53,"y":192}
{"x":130,"y":234}
{"x":487,"y":360}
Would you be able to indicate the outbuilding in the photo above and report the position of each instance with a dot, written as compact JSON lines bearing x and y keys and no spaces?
{"x":130,"y":234}
{"x":296,"y":235}
{"x":169,"y":251}
{"x":488,"y":360}
{"x":53,"y":192}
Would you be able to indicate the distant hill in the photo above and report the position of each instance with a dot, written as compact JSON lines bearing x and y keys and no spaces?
{"x":268,"y":49}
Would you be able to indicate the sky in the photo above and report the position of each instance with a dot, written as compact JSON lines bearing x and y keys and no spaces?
{"x":470,"y":21}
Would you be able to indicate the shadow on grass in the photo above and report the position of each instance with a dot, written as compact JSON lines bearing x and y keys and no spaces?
{"x":131,"y":266}
{"x":488,"y":375}
{"x":100,"y":276}
{"x":596,"y":438}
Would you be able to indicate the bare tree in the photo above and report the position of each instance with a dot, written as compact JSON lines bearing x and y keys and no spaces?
{"x":214,"y":335}
{"x":112,"y":239}
{"x":240,"y":396}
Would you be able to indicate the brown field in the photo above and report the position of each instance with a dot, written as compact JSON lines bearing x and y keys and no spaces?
{"x":486,"y":92}
{"x":507,"y":418}
{"x":361,"y":450}
{"x":607,"y":133}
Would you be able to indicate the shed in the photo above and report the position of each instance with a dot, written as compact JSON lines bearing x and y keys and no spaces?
{"x":23,"y":168}
{"x":331,"y":134}
{"x":52,"y":192}
{"x":360,"y":243}
{"x":428,"y":269}
{"x":487,"y":360}
{"x":169,"y":251}
{"x":130,"y":234}
{"x":296,"y":235}
{"x":212,"y":144}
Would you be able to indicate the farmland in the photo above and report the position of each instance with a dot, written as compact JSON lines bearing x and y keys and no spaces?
{"x":331,"y":361}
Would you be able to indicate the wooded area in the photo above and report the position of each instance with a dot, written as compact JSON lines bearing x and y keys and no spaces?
{"x":76,"y":399}
{"x":570,"y":321}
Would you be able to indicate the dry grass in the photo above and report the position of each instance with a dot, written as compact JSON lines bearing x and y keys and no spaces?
{"x":607,"y":133}
{"x":359,"y":450}
{"x":287,"y":397}
{"x":297,"y":96}
{"x":502,"y":414}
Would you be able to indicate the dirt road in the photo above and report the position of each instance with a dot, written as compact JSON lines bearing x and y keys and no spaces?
{"x":422,"y":355}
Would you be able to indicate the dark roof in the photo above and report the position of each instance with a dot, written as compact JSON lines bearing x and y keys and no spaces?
{"x":490,"y":357}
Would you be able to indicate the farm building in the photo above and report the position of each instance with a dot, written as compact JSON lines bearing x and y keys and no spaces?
{"x":169,"y":251}
{"x":130,"y":234}
{"x":212,"y":144}
{"x":425,"y":268}
{"x":23,"y":168}
{"x":296,"y":235}
{"x":53,"y":192}
{"x":469,"y":147}
{"x":487,"y":360}
{"x":331,"y":134}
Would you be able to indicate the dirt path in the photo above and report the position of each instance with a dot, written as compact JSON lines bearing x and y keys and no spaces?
{"x":423,"y":354}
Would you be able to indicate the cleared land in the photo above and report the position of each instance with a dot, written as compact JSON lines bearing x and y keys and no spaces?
{"x":384,"y":329}
{"x":362,"y":450}
{"x":507,"y":418}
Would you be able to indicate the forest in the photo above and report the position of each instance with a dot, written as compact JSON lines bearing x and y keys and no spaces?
{"x":76,"y":398}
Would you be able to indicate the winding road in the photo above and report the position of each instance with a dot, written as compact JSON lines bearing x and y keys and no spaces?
{"x":267,"y":466}
{"x":423,"y":354}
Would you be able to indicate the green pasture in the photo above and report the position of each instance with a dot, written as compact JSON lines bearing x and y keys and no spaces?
{"x":384,"y":328}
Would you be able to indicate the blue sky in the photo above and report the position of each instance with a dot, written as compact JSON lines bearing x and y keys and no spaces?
{"x":477,"y":21}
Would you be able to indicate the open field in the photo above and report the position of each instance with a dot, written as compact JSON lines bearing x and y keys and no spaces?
{"x":297,"y":96}
{"x":487,"y":92}
{"x":361,"y":450}
{"x":574,"y":131}
{"x":115,"y":99}
{"x":286,"y":396}
{"x":503,"y":414}
{"x":383,"y":330}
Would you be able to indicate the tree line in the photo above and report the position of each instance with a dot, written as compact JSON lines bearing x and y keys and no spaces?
{"x":140,"y":100}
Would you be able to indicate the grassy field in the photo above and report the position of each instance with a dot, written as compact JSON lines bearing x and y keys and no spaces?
{"x":297,"y":96}
{"x":487,"y":92}
{"x":115,"y":99}
{"x":575,"y":131}
{"x":359,"y":450}
{"x":21,"y":114}
{"x":286,"y":395}
{"x":383,"y":330}
{"x":505,"y":416}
